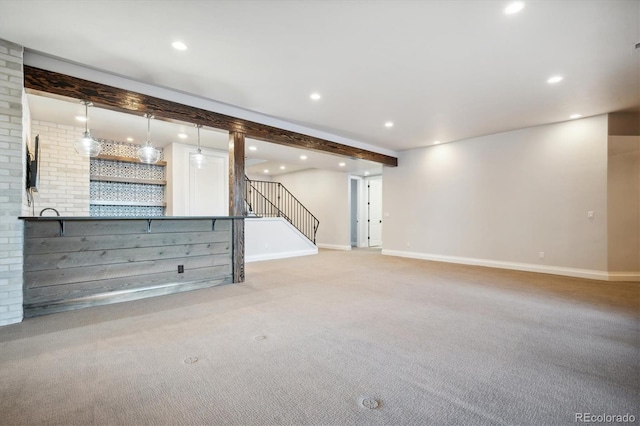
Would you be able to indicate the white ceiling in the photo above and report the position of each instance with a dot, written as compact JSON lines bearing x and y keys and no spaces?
{"x":440,"y":70}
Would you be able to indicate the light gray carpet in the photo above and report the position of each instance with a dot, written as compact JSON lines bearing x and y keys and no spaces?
{"x":433,"y":343}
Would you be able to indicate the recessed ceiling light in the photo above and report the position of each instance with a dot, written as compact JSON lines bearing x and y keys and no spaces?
{"x":366,"y":173}
{"x":129,"y":139}
{"x":342,"y":164}
{"x":436,"y":142}
{"x":178,"y":45}
{"x":315,"y":96}
{"x":182,"y":135}
{"x":252,"y":148}
{"x":81,"y":118}
{"x":282,"y":167}
{"x":388,"y":124}
{"x":554,"y":79}
{"x":574,"y":116}
{"x":266,"y":170}
{"x":514,"y":7}
{"x":303,"y":157}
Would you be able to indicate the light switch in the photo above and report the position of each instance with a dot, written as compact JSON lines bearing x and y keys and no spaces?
{"x":386,"y":214}
{"x":590,"y":215}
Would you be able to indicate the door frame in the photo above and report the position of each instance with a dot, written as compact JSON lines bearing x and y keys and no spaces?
{"x":361,"y":211}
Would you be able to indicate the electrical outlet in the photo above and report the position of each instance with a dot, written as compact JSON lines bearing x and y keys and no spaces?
{"x":541,"y":255}
{"x":181,"y":269}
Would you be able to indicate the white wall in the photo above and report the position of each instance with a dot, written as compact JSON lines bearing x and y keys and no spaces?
{"x":12,"y":182}
{"x":274,"y":238}
{"x":192,"y":192}
{"x":499,"y":200}
{"x":326,"y":195}
{"x":624,"y":204}
{"x":258,"y":176}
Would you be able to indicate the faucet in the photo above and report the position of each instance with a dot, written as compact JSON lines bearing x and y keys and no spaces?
{"x":49,"y":208}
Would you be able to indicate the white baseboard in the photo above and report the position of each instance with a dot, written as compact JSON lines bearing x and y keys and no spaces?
{"x":280,"y":255}
{"x":334,"y":247}
{"x":624,"y":276}
{"x":528,"y":267}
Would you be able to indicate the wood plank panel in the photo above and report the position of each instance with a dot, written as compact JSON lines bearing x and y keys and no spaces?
{"x":179,"y":225}
{"x":40,"y":229}
{"x":36,"y":309}
{"x":43,"y":81}
{"x":96,"y":260}
{"x":118,"y":270}
{"x":34,"y":246}
{"x":40,"y":262}
{"x":86,"y":288}
{"x":73,"y":228}
{"x":223,"y":225}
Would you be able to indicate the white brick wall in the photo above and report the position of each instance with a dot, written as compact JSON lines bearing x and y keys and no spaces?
{"x":12,"y":160}
{"x":64,"y":175}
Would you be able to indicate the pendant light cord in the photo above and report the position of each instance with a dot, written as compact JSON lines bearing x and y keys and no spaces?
{"x":148,"y":130}
{"x":86,"y":117}
{"x":198,"y":127}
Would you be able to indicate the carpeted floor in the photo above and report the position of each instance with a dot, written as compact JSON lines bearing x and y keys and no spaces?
{"x":309,"y":340}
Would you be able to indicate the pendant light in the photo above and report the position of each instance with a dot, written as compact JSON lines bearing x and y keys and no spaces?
{"x":87,"y":146}
{"x":199,"y":161}
{"x":148,"y":154}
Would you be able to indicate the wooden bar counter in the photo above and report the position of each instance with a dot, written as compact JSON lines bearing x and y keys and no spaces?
{"x":77,"y":262}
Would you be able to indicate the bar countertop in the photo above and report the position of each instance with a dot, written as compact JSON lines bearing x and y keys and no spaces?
{"x":78,"y":218}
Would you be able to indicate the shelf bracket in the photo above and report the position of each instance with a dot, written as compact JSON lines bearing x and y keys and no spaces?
{"x":61,"y":222}
{"x":213,"y":224}
{"x":148,"y":226}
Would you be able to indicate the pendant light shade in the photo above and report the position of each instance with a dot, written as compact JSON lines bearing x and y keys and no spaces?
{"x":87,"y":146}
{"x":148,"y":154}
{"x":199,"y":161}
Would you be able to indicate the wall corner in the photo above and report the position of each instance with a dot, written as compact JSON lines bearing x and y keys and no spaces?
{"x":12,"y":183}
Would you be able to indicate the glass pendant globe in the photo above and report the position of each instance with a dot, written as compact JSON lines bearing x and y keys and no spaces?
{"x":87,"y":146}
{"x":199,"y":161}
{"x":148,"y":154}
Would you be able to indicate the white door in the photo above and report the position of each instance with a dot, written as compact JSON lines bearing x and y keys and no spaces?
{"x":354,"y":212}
{"x":375,"y":211}
{"x":207,"y":188}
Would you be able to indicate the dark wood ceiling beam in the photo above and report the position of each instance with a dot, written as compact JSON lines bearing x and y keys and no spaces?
{"x":41,"y":81}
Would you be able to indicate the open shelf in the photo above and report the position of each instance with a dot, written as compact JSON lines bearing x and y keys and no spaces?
{"x":128,"y":180}
{"x":126,"y":159}
{"x":127,"y":203}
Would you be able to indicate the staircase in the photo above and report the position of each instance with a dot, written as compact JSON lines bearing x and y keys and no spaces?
{"x":272,"y":199}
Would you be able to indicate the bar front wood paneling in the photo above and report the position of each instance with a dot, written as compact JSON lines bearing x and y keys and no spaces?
{"x":43,"y":81}
{"x":70,"y":263}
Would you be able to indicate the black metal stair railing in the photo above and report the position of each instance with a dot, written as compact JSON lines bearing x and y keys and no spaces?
{"x":272,"y":199}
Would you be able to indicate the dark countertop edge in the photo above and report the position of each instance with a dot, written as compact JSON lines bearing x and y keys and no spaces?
{"x":99,"y":218}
